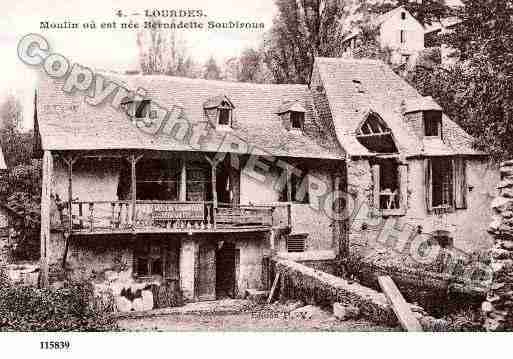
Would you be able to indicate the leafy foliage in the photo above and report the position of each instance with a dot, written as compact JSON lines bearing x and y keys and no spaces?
{"x":211,"y":70}
{"x":162,"y":52}
{"x":71,"y":308}
{"x":302,"y":30}
{"x":248,"y":67}
{"x":477,"y":91}
{"x":20,"y":187}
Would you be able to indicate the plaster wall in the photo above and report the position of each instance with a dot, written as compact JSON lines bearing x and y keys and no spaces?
{"x":467,"y":226}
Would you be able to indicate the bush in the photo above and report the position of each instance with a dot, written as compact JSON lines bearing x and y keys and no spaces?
{"x":71,"y":308}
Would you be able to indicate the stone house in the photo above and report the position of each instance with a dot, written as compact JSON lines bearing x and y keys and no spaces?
{"x":195,"y":199}
{"x":192,"y":185}
{"x":412,"y":173}
{"x":405,"y":36}
{"x":399,"y":32}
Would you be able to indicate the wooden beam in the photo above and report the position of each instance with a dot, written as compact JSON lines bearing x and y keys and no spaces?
{"x":214,"y":193}
{"x":70,"y":160}
{"x":273,"y":288}
{"x":133,"y":162}
{"x":399,"y":305}
{"x":46,"y":199}
{"x":183,"y":181}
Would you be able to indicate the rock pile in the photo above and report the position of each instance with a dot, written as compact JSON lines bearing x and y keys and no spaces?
{"x":498,"y":308}
{"x":127,"y":293}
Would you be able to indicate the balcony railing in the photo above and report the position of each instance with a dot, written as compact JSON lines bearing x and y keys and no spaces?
{"x":170,"y":216}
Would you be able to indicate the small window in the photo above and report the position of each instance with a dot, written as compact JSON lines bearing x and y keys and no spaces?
{"x":442,"y":188}
{"x":299,"y":186}
{"x":224,"y":116}
{"x":405,"y":59}
{"x":387,"y":178}
{"x":142,"y":108}
{"x":296,"y":120}
{"x":148,"y":260}
{"x":403,"y":15}
{"x":403,"y":36}
{"x":432,"y":123}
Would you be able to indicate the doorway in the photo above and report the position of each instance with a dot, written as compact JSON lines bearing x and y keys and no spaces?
{"x":227,"y":262}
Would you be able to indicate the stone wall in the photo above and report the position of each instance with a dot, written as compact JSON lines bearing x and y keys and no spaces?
{"x":499,"y":305}
{"x":466,"y":226}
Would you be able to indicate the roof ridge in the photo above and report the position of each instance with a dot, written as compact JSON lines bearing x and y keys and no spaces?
{"x":199,"y":80}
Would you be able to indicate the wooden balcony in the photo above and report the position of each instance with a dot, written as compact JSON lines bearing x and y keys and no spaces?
{"x":106,"y":217}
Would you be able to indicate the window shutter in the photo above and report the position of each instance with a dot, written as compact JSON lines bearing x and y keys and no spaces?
{"x":403,"y":186}
{"x":376,"y":189}
{"x":460,"y":183}
{"x":428,"y":187}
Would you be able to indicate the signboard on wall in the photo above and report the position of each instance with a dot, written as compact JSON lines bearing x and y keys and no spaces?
{"x":178,"y":211}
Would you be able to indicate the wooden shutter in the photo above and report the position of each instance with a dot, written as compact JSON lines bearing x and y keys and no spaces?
{"x":403,"y":186}
{"x":428,"y":187}
{"x":376,"y":188}
{"x":460,"y":183}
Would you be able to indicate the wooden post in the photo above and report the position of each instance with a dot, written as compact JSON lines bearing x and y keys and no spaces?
{"x":69,"y":161}
{"x":214,"y":193}
{"x":133,"y":162}
{"x":183,"y":182}
{"x":234,"y":179}
{"x":45,"y":216}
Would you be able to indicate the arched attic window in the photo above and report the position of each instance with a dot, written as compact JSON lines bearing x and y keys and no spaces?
{"x":375,"y":135}
{"x":219,"y":111}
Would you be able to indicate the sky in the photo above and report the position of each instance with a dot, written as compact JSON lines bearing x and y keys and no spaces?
{"x":115,"y":49}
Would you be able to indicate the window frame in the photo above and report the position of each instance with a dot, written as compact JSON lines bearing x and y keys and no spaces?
{"x":299,"y":118}
{"x":144,"y":251}
{"x":458,"y":184}
{"x":220,"y":110}
{"x":293,"y":186}
{"x":401,"y":194}
{"x":428,"y":117}
{"x":402,"y":37}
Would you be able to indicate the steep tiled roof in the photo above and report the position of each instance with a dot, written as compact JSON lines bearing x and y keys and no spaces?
{"x":68,"y":122}
{"x":421,"y":104}
{"x":356,"y":87}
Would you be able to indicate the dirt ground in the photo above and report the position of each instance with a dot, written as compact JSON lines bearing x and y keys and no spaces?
{"x":239,"y":316}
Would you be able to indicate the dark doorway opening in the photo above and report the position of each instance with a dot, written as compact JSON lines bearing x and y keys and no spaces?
{"x":226,"y":271}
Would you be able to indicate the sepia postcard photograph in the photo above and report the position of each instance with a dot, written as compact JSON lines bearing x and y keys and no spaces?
{"x":274,"y":166}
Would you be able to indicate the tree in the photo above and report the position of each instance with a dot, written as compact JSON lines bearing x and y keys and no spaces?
{"x":248,"y":67}
{"x":302,"y":30}
{"x":20,"y":187}
{"x":369,"y":47}
{"x":211,"y":70}
{"x":477,"y":92}
{"x":162,"y":52}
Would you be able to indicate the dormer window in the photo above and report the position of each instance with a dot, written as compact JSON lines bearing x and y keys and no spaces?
{"x":219,"y":111}
{"x":432,"y":123}
{"x":224,"y":116}
{"x":424,"y":116}
{"x":292,"y":115}
{"x":140,"y":109}
{"x":375,"y":135}
{"x":296,"y":120}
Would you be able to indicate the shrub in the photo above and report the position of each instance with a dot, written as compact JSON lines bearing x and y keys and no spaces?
{"x":71,"y":308}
